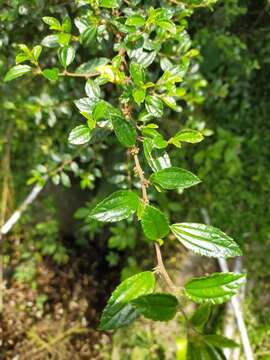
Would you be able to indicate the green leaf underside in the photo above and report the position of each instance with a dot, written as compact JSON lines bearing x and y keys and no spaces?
{"x":219,"y":341}
{"x":201,"y":315}
{"x":173,"y":178}
{"x":158,"y":307}
{"x":154,"y":223}
{"x":124,"y":131}
{"x":17,"y":71}
{"x":119,"y":310}
{"x":206,"y":240}
{"x":216,"y":288}
{"x":79,"y":135}
{"x":118,"y":206}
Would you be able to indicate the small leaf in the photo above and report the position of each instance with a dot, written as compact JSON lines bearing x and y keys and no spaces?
{"x":201,"y":316}
{"x":89,"y":35}
{"x":206,"y":240}
{"x":154,"y":106}
{"x":53,"y":23}
{"x":124,"y":131}
{"x":91,"y":65}
{"x":17,"y":71}
{"x":118,"y":206}
{"x":79,"y":135}
{"x":154,"y":223}
{"x":187,"y":135}
{"x":65,"y":179}
{"x":173,"y":178}
{"x":215,"y":289}
{"x":51,"y":74}
{"x":158,"y":307}
{"x":92,"y":89}
{"x":36,"y":51}
{"x":66,"y":55}
{"x":135,"y":20}
{"x":138,"y":95}
{"x":119,"y":310}
{"x":50,"y":41}
{"x":137,"y":73}
{"x":219,"y":341}
{"x":156,"y":159}
{"x":145,"y":58}
{"x":66,"y":24}
{"x":110,"y":4}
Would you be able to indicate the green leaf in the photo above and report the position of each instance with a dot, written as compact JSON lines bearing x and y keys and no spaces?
{"x":92,"y":89}
{"x":110,"y":4}
{"x":156,"y":159}
{"x":135,"y":20}
{"x":53,"y":23}
{"x":17,"y":71}
{"x":145,"y":58}
{"x":50,"y":41}
{"x":158,"y":307}
{"x":66,"y":24}
{"x":66,"y":55}
{"x":167,"y":25}
{"x":118,"y":206}
{"x":89,"y":35}
{"x":137,"y":73}
{"x":65,"y":179}
{"x":79,"y":135}
{"x":219,"y":341}
{"x":138,"y":95}
{"x":206,"y":240}
{"x":124,"y":131}
{"x":36,"y":51}
{"x":201,"y":316}
{"x":154,"y":106}
{"x":215,"y":289}
{"x":51,"y":74}
{"x":91,"y":65}
{"x":173,"y":178}
{"x":119,"y":310}
{"x":154,"y":223}
{"x":187,"y":135}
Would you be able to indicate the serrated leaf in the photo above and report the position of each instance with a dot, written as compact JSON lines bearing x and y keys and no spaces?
{"x":154,"y":223}
{"x":187,"y":135}
{"x":51,"y":74}
{"x":158,"y":307}
{"x":66,"y":55}
{"x":214,"y":289}
{"x":219,"y":341}
{"x":154,"y":106}
{"x":206,"y":240}
{"x":118,"y":206}
{"x":17,"y":71}
{"x":119,"y":310}
{"x":201,"y":316}
{"x":124,"y":130}
{"x":173,"y":178}
{"x":79,"y":135}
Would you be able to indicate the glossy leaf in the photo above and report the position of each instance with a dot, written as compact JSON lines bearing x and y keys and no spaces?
{"x":118,"y":206}
{"x":173,"y":178}
{"x":124,"y":131}
{"x":157,"y":159}
{"x":108,"y":3}
{"x":66,"y":55}
{"x":92,"y":89}
{"x":91,"y":65}
{"x":119,"y":310}
{"x":17,"y":71}
{"x":187,"y":135}
{"x":154,"y":223}
{"x":158,"y":307}
{"x":135,"y":20}
{"x":215,"y":289}
{"x":53,"y":23}
{"x":154,"y":106}
{"x":137,"y":73}
{"x":80,"y":135}
{"x":51,"y":74}
{"x":206,"y":240}
{"x":138,"y":94}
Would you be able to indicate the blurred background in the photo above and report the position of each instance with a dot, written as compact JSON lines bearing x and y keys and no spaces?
{"x":59,"y":269}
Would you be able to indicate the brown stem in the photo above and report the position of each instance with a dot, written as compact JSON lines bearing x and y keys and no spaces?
{"x":84,"y":75}
{"x":140,"y":173}
{"x":161,"y":268}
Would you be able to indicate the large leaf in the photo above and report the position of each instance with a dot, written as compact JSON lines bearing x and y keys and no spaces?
{"x":119,"y":310}
{"x":206,"y":240}
{"x":216,"y":288}
{"x":173,"y":178}
{"x":158,"y":307}
{"x":154,"y":223}
{"x":118,"y":206}
{"x":17,"y":71}
{"x":124,"y":131}
{"x":79,"y":135}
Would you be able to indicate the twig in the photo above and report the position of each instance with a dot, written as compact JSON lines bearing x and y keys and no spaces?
{"x":162,"y":270}
{"x":235,"y":303}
